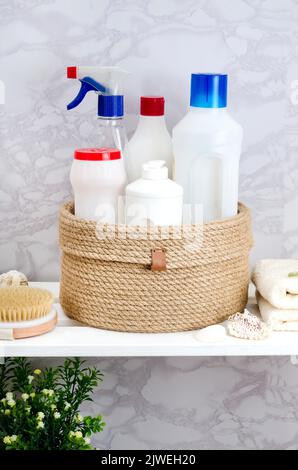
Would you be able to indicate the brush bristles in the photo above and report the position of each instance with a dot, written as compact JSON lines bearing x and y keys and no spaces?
{"x":24,"y":303}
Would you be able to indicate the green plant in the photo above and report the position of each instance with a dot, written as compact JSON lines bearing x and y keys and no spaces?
{"x":39,"y":410}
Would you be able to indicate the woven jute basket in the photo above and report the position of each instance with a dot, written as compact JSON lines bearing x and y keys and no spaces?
{"x":141,"y":279}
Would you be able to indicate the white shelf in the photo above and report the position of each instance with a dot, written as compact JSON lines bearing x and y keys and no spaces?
{"x":70,"y":338}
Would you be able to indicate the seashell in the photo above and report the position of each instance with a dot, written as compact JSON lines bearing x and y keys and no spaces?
{"x":246,"y":325}
{"x":211,"y":334}
{"x":13,"y":279}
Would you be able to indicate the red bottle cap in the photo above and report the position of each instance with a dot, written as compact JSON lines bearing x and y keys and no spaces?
{"x":101,"y":154}
{"x":152,"y":105}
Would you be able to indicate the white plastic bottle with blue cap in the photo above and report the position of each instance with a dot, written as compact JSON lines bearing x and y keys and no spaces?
{"x":207,"y":147}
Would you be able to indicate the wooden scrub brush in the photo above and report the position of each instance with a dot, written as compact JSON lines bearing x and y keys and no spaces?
{"x":26,"y":311}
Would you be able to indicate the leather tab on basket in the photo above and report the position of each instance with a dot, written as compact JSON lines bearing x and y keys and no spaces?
{"x":158,"y":262}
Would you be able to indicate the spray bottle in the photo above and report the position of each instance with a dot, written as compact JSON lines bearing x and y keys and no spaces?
{"x":106,"y":83}
{"x":98,"y":174}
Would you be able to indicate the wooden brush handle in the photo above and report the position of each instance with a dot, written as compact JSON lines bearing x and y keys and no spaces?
{"x":19,"y":333}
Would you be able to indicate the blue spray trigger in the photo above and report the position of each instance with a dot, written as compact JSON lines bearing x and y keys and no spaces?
{"x":87,"y":84}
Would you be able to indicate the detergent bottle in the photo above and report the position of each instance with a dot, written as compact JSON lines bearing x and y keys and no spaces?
{"x":151,"y":140}
{"x":207,"y":147}
{"x":154,"y":198}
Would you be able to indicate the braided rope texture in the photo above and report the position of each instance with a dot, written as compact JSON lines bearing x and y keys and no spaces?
{"x":106,"y":280}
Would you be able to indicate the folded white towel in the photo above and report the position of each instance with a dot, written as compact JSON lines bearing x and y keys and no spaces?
{"x":271,"y":278}
{"x":278,"y":319}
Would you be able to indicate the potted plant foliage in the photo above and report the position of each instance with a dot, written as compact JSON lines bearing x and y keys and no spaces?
{"x":40,"y":410}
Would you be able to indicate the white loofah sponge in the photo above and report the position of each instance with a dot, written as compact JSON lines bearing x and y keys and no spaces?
{"x":13,"y":279}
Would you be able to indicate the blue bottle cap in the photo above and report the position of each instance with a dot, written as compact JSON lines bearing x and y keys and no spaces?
{"x":208,"y":90}
{"x":110,"y":106}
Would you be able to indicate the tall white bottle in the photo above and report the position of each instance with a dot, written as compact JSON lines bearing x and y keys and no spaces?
{"x":207,"y":146}
{"x":151,"y":140}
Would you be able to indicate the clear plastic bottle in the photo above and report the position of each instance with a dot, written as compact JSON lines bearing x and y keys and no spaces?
{"x":112,"y":133}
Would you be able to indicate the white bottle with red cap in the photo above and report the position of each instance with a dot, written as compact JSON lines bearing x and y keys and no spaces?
{"x":98,"y":179}
{"x":151,"y":140}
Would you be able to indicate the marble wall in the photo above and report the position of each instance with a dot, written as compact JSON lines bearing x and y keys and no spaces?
{"x":157,"y":403}
{"x":194,"y":403}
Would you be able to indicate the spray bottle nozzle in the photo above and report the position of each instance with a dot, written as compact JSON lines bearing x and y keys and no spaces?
{"x":105,"y":80}
{"x":87,"y":84}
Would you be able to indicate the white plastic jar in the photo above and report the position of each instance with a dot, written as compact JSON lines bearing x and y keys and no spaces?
{"x":154,"y":198}
{"x":98,"y":179}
